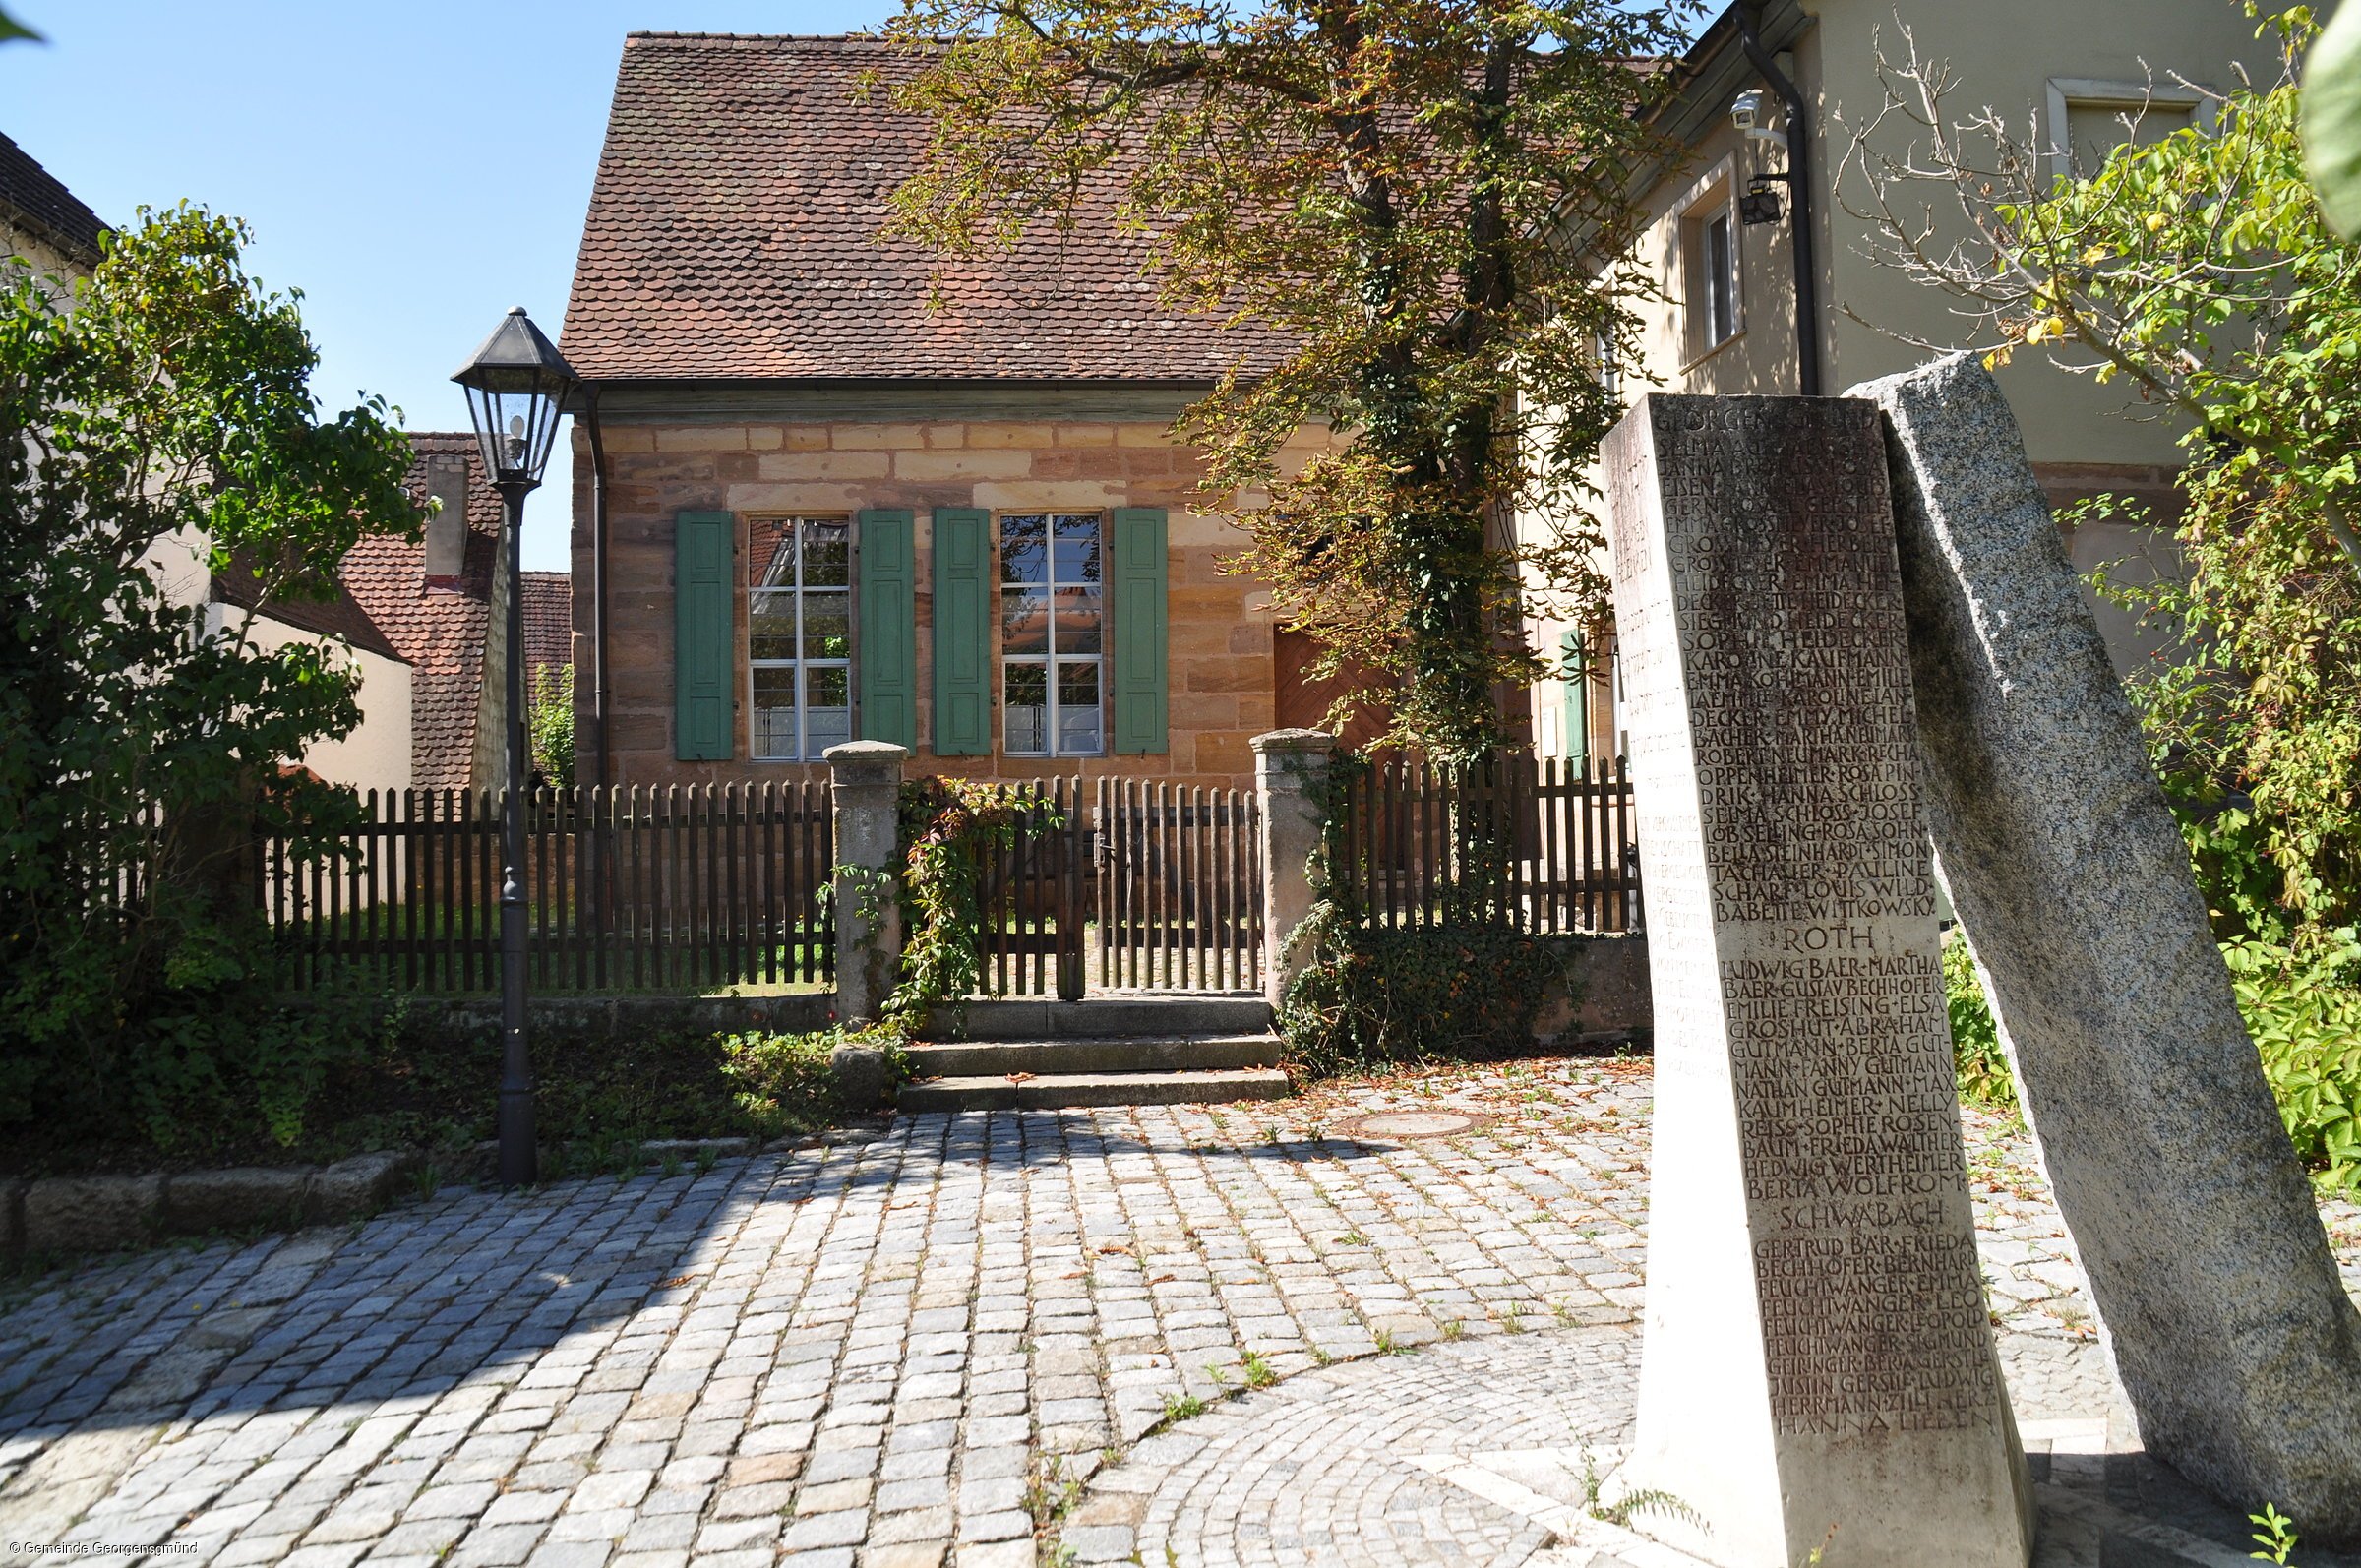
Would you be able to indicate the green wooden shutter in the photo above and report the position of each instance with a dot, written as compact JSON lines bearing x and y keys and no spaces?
{"x":1140,"y":678}
{"x":704,"y":636}
{"x":962,"y":631}
{"x":1578,"y":699}
{"x":888,"y":651}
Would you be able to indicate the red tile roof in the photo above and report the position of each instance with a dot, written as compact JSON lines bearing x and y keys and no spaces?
{"x":341,"y":617}
{"x":733,"y":235}
{"x":441,"y":633}
{"x":548,"y":621}
{"x":33,"y":198}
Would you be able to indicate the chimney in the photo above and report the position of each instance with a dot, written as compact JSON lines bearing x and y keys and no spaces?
{"x":447,"y":530}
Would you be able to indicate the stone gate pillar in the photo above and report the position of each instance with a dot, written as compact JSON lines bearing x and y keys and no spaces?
{"x":1290,"y":775}
{"x":864,"y":787}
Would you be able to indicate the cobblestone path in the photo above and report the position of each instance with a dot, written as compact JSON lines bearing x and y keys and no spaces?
{"x":910,"y":1349}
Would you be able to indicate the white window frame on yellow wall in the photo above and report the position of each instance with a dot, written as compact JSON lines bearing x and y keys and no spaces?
{"x":2132,"y":100}
{"x":1711,"y":323}
{"x":1069,"y":587}
{"x":803,"y":668}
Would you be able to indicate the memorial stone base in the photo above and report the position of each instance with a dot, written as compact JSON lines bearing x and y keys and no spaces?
{"x":1818,"y":1373}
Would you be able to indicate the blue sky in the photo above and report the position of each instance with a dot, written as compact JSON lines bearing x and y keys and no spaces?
{"x":415,"y":168}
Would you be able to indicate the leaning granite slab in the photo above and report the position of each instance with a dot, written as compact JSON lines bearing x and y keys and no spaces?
{"x":2216,"y":1291}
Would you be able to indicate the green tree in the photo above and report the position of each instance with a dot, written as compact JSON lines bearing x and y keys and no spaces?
{"x":1408,"y":193}
{"x":2198,"y":272}
{"x":549,"y":722}
{"x":163,"y":410}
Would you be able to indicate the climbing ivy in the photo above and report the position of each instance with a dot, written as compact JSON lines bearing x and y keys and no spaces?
{"x":947,"y":825}
{"x":1466,"y":986}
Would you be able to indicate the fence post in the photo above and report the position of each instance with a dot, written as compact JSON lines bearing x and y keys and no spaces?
{"x":865,"y":781}
{"x":1290,"y":773}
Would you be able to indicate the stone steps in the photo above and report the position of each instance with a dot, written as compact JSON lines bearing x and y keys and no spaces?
{"x":1062,"y":1090}
{"x":1106,"y":1055}
{"x":1128,"y":1050}
{"x":1104,"y":1017}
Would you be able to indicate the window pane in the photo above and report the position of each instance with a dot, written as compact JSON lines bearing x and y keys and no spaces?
{"x":825,"y":686}
{"x":1024,"y":546}
{"x":1076,"y":547}
{"x":829,"y":714}
{"x":1080,"y":618}
{"x":1721,"y":280}
{"x":1025,"y":707}
{"x":827,"y":557}
{"x":771,"y":627}
{"x":1024,"y":621}
{"x":1079,"y":707}
{"x":774,"y":714}
{"x":827,"y":626}
{"x":2095,"y":130}
{"x":827,"y":727}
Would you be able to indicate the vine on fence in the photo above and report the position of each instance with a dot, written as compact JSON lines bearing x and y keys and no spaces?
{"x":1469,"y":986}
{"x":946,"y":827}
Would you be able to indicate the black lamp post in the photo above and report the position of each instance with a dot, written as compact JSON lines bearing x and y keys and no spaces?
{"x":517,"y":385}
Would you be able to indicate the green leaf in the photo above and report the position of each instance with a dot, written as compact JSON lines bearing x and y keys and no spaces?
{"x":2331,"y":119}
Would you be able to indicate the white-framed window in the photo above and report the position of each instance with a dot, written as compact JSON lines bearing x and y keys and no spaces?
{"x":1707,"y":221}
{"x":799,"y":637}
{"x":2089,"y":117}
{"x":1053,"y":633}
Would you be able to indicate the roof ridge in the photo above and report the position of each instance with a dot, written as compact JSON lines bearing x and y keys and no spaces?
{"x":758,"y":38}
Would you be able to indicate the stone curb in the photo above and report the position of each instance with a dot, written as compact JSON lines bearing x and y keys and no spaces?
{"x":113,"y":1213}
{"x":107,"y":1213}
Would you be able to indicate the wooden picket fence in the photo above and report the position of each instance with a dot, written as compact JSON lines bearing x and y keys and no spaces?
{"x":1542,"y":844}
{"x":640,"y":888}
{"x":1132,"y":884}
{"x":1179,"y":887}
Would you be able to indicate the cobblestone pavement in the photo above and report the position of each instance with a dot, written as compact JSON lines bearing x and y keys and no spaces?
{"x":1504,"y":1455}
{"x":912,"y":1350}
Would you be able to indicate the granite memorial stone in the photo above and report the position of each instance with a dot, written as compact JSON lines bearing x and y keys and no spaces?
{"x":2218,"y":1296}
{"x":1818,"y":1372}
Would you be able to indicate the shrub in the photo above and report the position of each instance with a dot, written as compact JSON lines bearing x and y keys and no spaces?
{"x":549,"y":723}
{"x":783,"y":1081}
{"x":1378,"y":995}
{"x":1983,"y":1067}
{"x":2306,"y":1019}
{"x":2303,"y":1012}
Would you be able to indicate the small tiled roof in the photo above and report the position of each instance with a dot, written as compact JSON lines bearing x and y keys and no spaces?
{"x":342,"y":617}
{"x":733,"y":235}
{"x":32,"y":198}
{"x":441,"y":633}
{"x":548,"y":619}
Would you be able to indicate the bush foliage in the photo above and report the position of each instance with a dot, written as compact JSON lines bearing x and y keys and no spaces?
{"x":1368,"y":997}
{"x":1983,"y":1067}
{"x":2303,"y":1010}
{"x":2305,"y":1015}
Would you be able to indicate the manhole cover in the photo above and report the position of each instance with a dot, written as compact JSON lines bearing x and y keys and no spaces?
{"x":1412,"y":1125}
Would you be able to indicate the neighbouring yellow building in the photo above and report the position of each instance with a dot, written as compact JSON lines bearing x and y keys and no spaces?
{"x":2064,"y":77}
